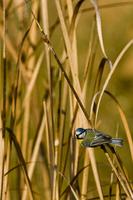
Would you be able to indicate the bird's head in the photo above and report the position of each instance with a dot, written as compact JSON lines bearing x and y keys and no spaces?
{"x":80,"y":133}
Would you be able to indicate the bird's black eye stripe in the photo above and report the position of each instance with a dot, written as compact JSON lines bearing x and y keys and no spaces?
{"x":81,"y":133}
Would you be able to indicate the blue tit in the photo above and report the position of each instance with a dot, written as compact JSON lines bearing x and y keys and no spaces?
{"x":94,"y":138}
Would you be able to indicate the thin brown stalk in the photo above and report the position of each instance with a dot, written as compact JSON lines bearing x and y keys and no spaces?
{"x":49,"y":143}
{"x":4,"y":98}
{"x":2,"y":144}
{"x":45,"y":20}
{"x":26,"y":127}
{"x":4,"y":70}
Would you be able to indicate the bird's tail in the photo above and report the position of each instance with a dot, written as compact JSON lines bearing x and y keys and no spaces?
{"x":117,"y":141}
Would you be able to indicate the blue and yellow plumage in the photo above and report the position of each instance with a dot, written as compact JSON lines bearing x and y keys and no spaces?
{"x":94,"y":138}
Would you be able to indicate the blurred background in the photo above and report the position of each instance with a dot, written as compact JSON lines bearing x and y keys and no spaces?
{"x":45,"y":101}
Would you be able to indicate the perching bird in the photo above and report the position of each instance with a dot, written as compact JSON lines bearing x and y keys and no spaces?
{"x":94,"y":138}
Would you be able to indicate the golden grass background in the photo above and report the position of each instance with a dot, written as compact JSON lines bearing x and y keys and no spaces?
{"x":64,"y":65}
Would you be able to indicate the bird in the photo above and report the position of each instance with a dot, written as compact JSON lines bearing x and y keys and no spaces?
{"x":94,"y":138}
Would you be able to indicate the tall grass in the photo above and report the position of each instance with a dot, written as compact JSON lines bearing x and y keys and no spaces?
{"x":53,"y":82}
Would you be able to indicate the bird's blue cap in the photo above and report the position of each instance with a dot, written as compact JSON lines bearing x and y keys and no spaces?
{"x":79,"y":131}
